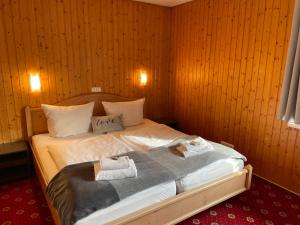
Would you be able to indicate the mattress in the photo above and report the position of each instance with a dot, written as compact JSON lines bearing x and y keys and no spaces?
{"x":129,"y":205}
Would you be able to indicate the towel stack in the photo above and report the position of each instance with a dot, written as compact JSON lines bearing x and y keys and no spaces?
{"x":112,"y":169}
{"x":194,"y":147}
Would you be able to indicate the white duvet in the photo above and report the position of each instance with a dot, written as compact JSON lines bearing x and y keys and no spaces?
{"x":86,"y":150}
{"x":149,"y":137}
{"x":93,"y":148}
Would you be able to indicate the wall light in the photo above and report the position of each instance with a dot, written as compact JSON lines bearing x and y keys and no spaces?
{"x":35,"y":82}
{"x":143,"y":78}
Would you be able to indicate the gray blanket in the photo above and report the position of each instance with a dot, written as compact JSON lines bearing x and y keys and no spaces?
{"x":75,"y":193}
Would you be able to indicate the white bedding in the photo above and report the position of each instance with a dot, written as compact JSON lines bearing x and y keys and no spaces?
{"x":151,"y":136}
{"x":131,"y":204}
{"x":140,"y":137}
{"x":156,"y":135}
{"x":208,"y":174}
{"x":86,"y":150}
{"x":41,"y":141}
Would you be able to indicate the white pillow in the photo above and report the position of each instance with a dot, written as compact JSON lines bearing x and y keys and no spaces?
{"x":65,"y":121}
{"x":132,"y":112}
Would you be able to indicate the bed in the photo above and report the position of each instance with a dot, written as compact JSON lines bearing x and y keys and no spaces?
{"x":167,"y":203}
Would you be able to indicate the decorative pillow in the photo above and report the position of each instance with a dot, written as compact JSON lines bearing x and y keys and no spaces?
{"x":132,"y":112}
{"x":65,"y":121}
{"x":104,"y":124}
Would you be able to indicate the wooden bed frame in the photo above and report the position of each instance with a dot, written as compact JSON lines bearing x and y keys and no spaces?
{"x":170,"y":211}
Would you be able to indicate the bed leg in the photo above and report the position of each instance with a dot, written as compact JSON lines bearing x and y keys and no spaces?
{"x":249,"y":176}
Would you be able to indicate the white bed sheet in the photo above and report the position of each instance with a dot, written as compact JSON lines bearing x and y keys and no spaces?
{"x":131,"y":204}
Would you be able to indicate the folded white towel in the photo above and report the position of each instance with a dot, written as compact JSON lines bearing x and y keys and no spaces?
{"x":114,"y":174}
{"x":114,"y":164}
{"x":194,"y":147}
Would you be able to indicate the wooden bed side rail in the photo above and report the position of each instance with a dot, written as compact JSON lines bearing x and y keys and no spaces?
{"x":177,"y":208}
{"x":187,"y":204}
{"x":43,"y":183}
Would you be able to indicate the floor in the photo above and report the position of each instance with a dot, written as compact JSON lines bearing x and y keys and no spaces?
{"x":22,"y":203}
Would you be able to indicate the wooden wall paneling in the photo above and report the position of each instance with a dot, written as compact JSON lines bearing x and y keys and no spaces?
{"x":257,"y":123}
{"x":17,"y":59}
{"x":111,"y":29}
{"x":296,"y":167}
{"x":225,"y":68}
{"x":4,"y":59}
{"x":278,"y":143}
{"x":249,"y":61}
{"x":124,"y":53}
{"x":55,"y":53}
{"x":193,"y":68}
{"x":50,"y":69}
{"x":215,"y":65}
{"x":177,"y":78}
{"x":242,"y":100}
{"x":197,"y":26}
{"x":181,"y":106}
{"x":132,"y":43}
{"x":192,"y":108}
{"x":265,"y":125}
{"x":77,"y":54}
{"x":63,"y":51}
{"x":146,"y":52}
{"x":254,"y":78}
{"x":3,"y":111}
{"x":196,"y":23}
{"x":77,"y":44}
{"x":189,"y":72}
{"x":4,"y":124}
{"x":33,"y":62}
{"x":231,"y":84}
{"x":208,"y":34}
{"x":87,"y":46}
{"x":244,"y":58}
{"x":40,"y":28}
{"x":215,"y":90}
{"x":202,"y":62}
{"x":236,"y":74}
{"x":118,"y":48}
{"x":212,"y":89}
{"x":12,"y":60}
{"x":14,"y":53}
{"x":187,"y":65}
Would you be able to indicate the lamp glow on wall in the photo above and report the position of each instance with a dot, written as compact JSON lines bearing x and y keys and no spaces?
{"x":143,"y":78}
{"x":35,"y":82}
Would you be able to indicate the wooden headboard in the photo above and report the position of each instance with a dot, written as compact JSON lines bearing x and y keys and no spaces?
{"x":36,"y":122}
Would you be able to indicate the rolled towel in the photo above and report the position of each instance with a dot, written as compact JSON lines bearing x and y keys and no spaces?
{"x":114,"y":164}
{"x":129,"y":172}
{"x":194,"y":147}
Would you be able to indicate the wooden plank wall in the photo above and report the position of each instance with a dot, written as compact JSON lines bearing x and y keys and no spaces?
{"x":77,"y":44}
{"x":227,"y":63}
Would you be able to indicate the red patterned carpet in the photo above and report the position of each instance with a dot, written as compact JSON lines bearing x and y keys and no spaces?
{"x":22,"y":203}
